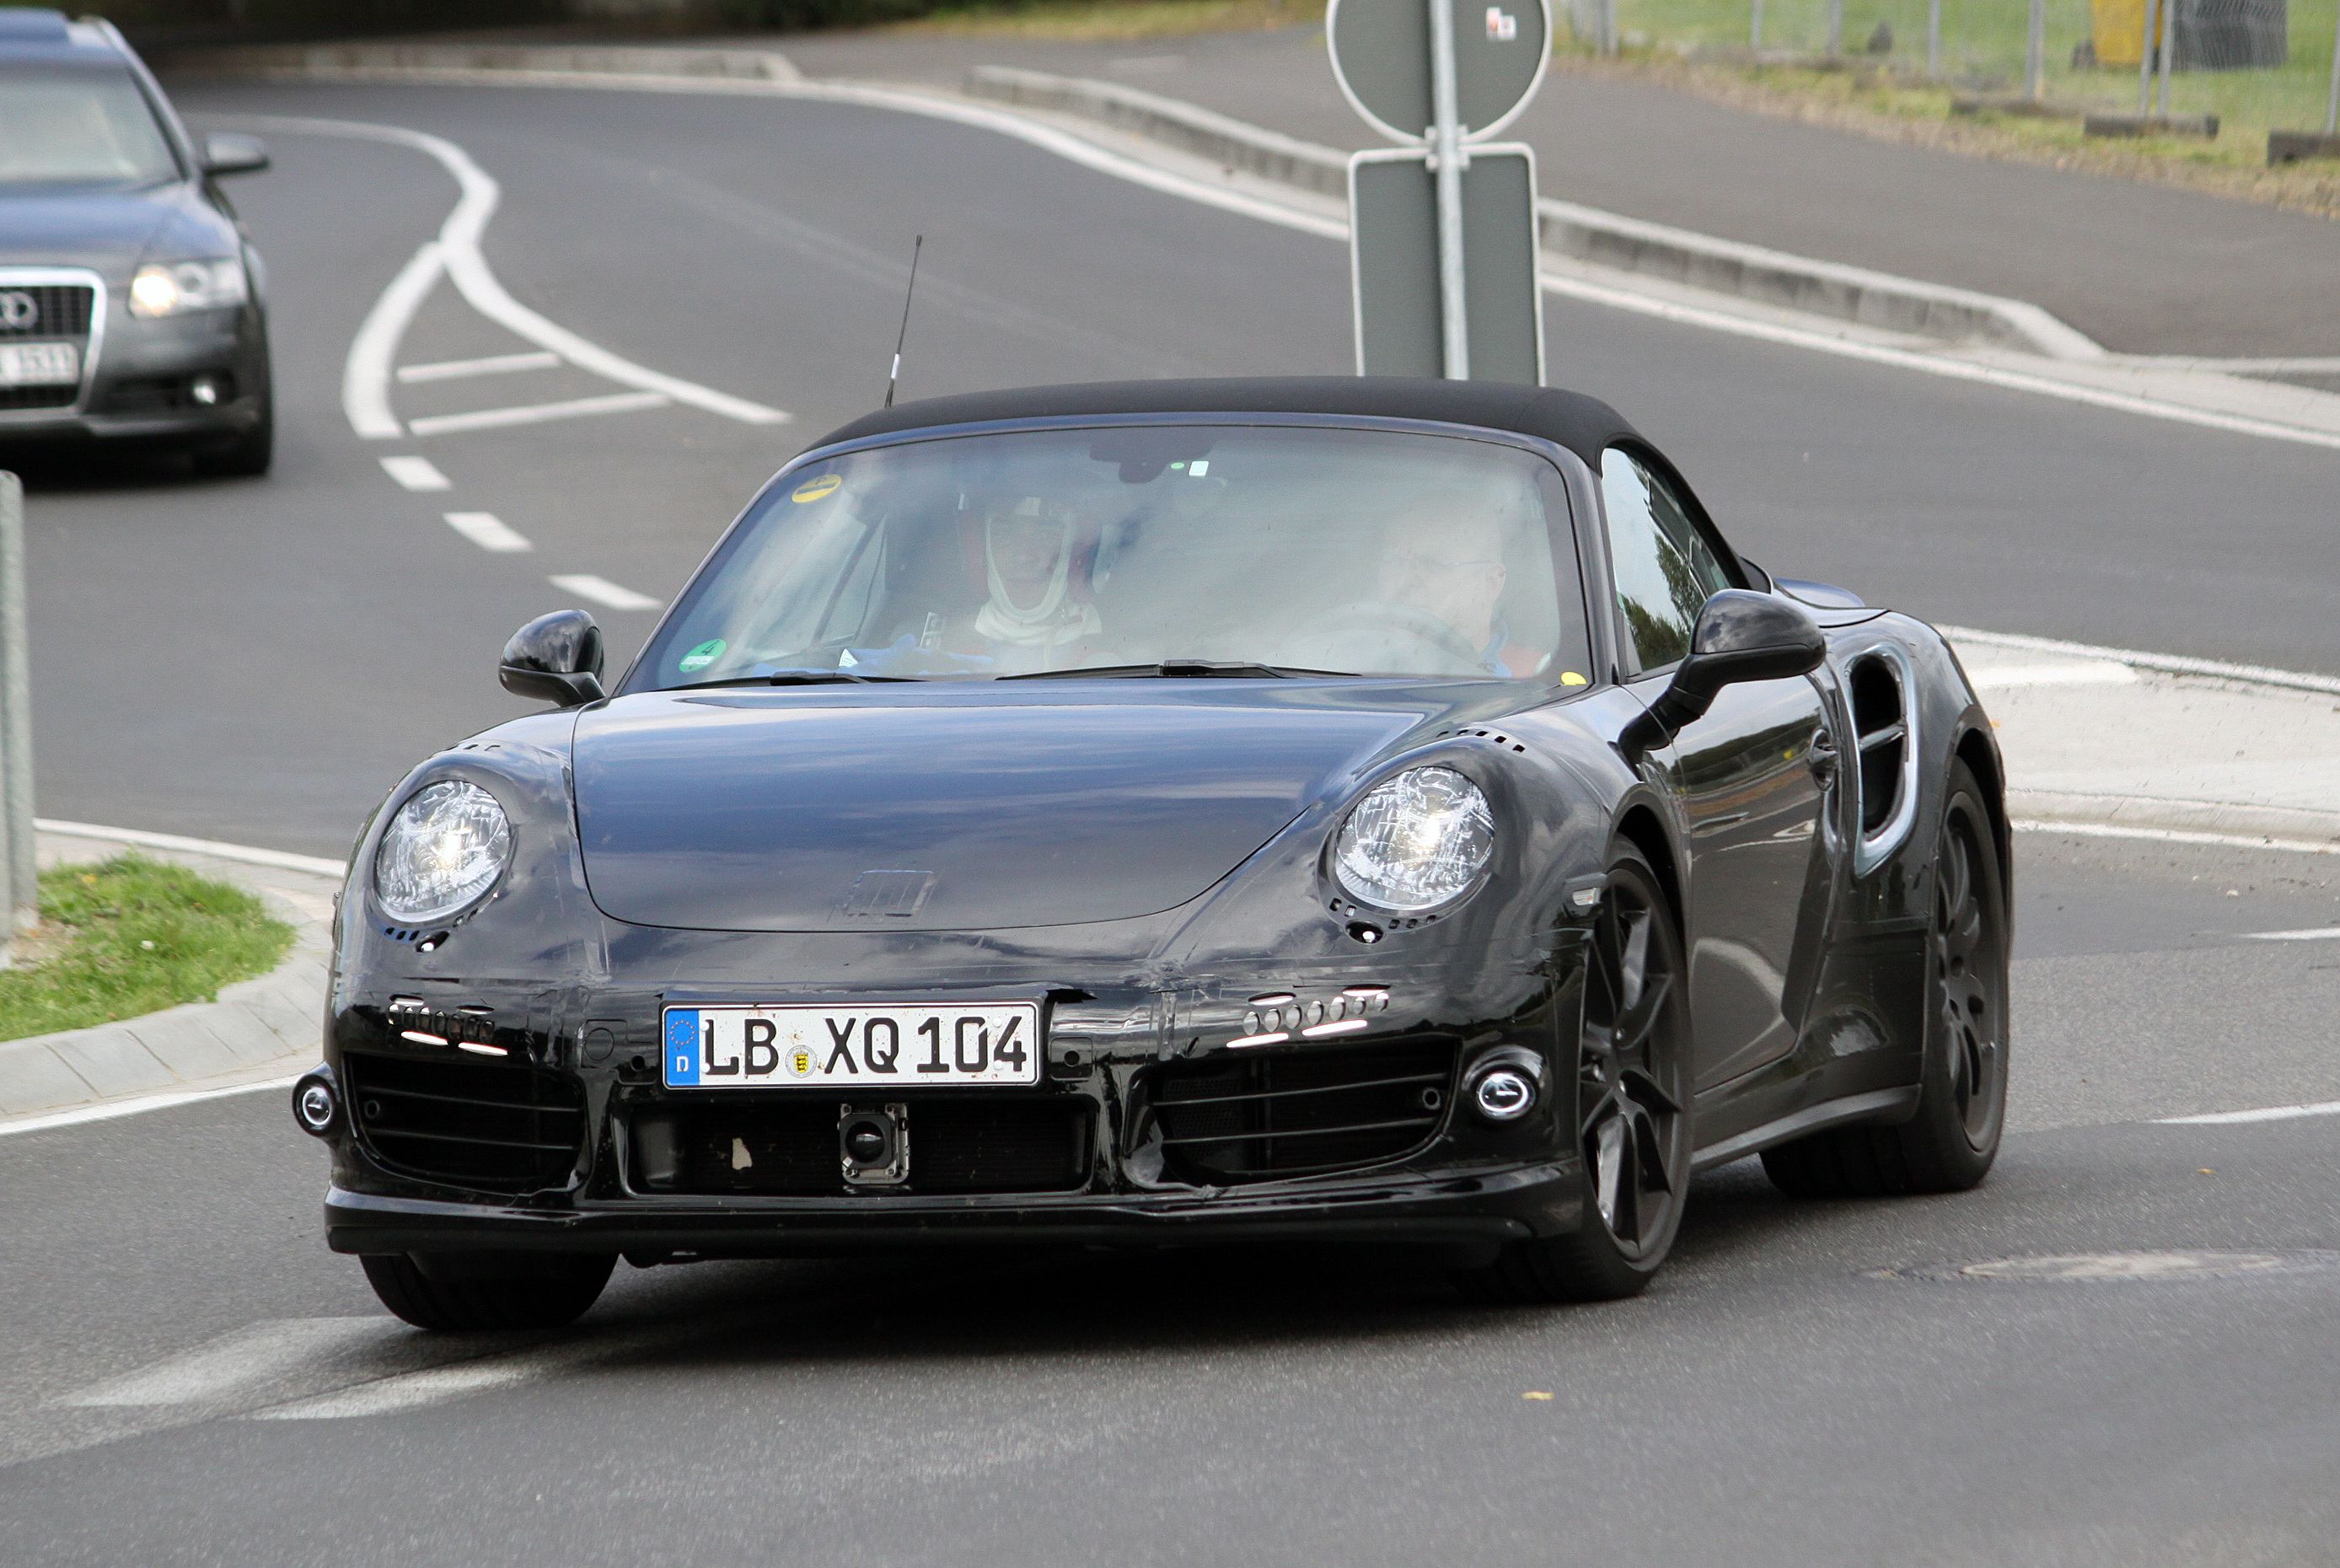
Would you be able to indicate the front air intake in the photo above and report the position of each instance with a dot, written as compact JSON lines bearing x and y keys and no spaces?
{"x":473,"y":1124}
{"x":1304,"y":1111}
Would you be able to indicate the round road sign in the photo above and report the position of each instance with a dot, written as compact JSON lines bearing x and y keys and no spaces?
{"x":1381,"y":57}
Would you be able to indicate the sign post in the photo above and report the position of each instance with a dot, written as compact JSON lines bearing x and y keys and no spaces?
{"x":1442,"y":230}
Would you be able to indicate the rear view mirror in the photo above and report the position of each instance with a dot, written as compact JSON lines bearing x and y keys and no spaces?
{"x":555,"y":659}
{"x":1740,"y":636}
{"x":229,"y":153}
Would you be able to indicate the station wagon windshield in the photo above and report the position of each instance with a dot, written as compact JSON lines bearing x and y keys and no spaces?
{"x":79,"y":128}
{"x":1143,"y":550}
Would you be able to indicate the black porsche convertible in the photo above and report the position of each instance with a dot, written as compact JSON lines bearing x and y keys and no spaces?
{"x":1176,"y":811}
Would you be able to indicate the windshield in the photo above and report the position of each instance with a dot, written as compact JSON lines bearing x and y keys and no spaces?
{"x":79,"y":128}
{"x":1258,"y":549}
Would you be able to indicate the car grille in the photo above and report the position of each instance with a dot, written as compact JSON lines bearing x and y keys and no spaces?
{"x":959,"y":1144}
{"x":1243,"y":1117}
{"x":59,"y":311}
{"x":473,"y":1123}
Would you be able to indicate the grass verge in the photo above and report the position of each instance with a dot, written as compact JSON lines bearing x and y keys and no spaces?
{"x":130,"y":935}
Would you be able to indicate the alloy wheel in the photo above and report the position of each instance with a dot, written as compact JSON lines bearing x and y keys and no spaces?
{"x":1630,"y":1128}
{"x":1969,"y":959}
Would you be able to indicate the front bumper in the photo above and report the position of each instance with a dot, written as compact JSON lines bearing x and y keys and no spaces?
{"x":143,"y":381}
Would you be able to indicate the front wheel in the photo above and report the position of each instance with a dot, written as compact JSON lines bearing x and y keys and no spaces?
{"x":459,"y":1293}
{"x":1950,"y":1145}
{"x":1631,"y":1109}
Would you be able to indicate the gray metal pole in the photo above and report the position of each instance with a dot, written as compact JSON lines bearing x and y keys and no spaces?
{"x":1836,"y":28}
{"x":1608,"y":27}
{"x":1933,"y":40}
{"x":1446,"y":147}
{"x":1755,"y":26}
{"x":2168,"y":49}
{"x":2034,"y":56}
{"x":2144,"y":63}
{"x":2332,"y":94}
{"x":23,"y":908}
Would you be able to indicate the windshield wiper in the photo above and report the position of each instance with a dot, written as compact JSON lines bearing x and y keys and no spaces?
{"x":1178,"y":669}
{"x":793,"y":678}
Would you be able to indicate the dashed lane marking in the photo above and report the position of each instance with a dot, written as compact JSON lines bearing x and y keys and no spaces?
{"x":491,"y":365}
{"x":536,"y":413}
{"x":415,"y":472}
{"x":2235,"y":1118}
{"x":2311,"y":934}
{"x":489,"y":532}
{"x":602,"y":591}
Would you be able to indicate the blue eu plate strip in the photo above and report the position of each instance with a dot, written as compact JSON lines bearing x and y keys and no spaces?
{"x":681,"y":1046}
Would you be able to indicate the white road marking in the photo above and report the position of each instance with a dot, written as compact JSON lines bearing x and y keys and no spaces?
{"x":489,"y":532}
{"x":2312,"y":934}
{"x":415,"y":472}
{"x":139,"y":1106}
{"x":536,"y":413}
{"x":2098,"y":673}
{"x":256,"y":1354}
{"x":409,"y":1390}
{"x":492,"y":365}
{"x":212,"y":847}
{"x":2174,"y":663}
{"x":365,"y":377}
{"x":602,"y":591}
{"x":2235,"y":1118}
{"x":2177,"y":836}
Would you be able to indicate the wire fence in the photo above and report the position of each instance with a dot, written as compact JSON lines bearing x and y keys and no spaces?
{"x":2251,"y":63}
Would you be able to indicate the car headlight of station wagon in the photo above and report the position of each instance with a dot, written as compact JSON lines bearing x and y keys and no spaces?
{"x":444,"y":849}
{"x":180,"y":286}
{"x":1415,"y":841}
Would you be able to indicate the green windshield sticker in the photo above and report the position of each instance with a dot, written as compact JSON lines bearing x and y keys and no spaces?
{"x":705,"y":654}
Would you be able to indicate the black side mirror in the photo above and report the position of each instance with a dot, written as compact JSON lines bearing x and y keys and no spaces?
{"x":555,"y":659}
{"x":1740,"y":636}
{"x":229,"y":153}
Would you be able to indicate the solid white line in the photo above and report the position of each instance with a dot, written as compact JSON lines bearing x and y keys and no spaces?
{"x":2175,"y":663}
{"x":2272,"y":1114}
{"x":415,"y":472}
{"x":536,"y":413}
{"x":2312,"y":934}
{"x":457,"y":251}
{"x":489,"y":532}
{"x":212,"y":847}
{"x":258,"y":1352}
{"x":2095,"y":674}
{"x":2176,"y":835}
{"x":601,"y":590}
{"x":139,"y":1106}
{"x":492,"y":365}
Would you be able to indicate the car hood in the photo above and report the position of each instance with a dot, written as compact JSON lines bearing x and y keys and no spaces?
{"x":939,"y":808}
{"x":111,"y":231}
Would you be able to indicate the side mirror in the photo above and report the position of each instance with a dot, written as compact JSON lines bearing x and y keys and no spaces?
{"x":229,"y":153}
{"x":555,"y":659}
{"x":1740,"y":636}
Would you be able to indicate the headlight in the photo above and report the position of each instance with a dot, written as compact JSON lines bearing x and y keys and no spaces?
{"x":445,"y":848}
{"x":165,"y":291}
{"x":1415,"y":841}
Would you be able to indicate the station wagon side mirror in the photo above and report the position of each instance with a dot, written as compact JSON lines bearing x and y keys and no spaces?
{"x":229,"y":153}
{"x":1740,"y":636}
{"x":555,"y":659}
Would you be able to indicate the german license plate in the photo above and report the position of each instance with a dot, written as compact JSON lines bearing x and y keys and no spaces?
{"x":897,"y":1045}
{"x":39,"y":364}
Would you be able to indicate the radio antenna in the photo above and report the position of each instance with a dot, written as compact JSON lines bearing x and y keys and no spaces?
{"x":904,"y":336}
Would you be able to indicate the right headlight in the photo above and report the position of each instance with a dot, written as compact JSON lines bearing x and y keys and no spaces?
{"x":445,"y":848}
{"x":165,"y":291}
{"x":1415,"y":841}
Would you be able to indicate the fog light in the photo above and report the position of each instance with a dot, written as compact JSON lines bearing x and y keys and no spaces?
{"x":205,"y":391}
{"x":315,"y":1106}
{"x":1502,"y":1088}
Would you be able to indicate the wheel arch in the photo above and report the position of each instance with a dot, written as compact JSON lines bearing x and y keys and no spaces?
{"x":1640,"y":827}
{"x":1975,"y":749}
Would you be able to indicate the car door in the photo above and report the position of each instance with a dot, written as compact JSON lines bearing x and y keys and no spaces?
{"x":1745,"y":777}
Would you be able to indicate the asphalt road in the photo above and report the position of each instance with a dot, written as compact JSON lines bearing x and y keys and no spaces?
{"x":258,"y":662}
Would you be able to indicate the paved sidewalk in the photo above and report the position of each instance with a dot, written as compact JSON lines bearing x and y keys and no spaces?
{"x":2142,"y":268}
{"x":259,"y":1030}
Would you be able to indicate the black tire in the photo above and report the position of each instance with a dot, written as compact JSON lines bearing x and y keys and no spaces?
{"x":245,"y":456}
{"x":461,"y":1295}
{"x":1950,"y":1145}
{"x":1632,"y":1109}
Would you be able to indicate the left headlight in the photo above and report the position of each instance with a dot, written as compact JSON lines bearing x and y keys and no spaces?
{"x":446,"y":847}
{"x":167,"y":290}
{"x":1415,"y":841}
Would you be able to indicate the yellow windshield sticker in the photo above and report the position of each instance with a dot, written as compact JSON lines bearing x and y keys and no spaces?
{"x":814,"y":489}
{"x":1571,"y":677}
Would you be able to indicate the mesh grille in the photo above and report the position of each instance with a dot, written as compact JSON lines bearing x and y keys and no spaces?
{"x":59,"y":311}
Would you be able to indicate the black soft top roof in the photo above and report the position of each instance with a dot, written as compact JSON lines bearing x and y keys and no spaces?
{"x":1582,"y":424}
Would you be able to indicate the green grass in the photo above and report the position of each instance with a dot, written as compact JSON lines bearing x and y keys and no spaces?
{"x":131,"y":935}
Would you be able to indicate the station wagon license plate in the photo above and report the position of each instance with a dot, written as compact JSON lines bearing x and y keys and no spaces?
{"x":39,"y":364}
{"x":894,"y":1046}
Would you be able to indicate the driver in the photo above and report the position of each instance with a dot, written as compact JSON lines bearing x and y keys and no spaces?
{"x":1037,"y":613}
{"x":1449,"y":566}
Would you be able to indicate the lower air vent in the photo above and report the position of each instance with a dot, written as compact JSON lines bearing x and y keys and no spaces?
{"x":471,"y":1123}
{"x":1879,"y":687}
{"x":1300,"y":1112}
{"x":959,"y":1144}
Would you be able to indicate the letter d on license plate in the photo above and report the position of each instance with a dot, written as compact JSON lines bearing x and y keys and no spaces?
{"x":908,"y":1045}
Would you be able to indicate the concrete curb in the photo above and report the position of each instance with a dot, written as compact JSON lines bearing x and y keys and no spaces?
{"x":589,"y":59}
{"x":2277,"y":826}
{"x":264,"y":1027}
{"x":1776,"y":278}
